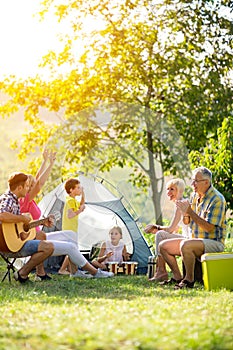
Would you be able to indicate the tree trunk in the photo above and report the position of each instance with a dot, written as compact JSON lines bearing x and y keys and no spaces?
{"x":154,"y":181}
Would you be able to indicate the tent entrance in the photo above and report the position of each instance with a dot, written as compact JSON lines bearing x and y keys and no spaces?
{"x":103,"y":211}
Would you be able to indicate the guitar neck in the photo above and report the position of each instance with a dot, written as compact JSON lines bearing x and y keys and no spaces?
{"x":36,"y":223}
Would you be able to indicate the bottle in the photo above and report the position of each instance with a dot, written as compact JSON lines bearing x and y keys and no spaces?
{"x":151,"y":266}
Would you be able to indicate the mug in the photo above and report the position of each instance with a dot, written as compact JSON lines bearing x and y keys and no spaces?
{"x":112,"y":266}
{"x":130,"y":267}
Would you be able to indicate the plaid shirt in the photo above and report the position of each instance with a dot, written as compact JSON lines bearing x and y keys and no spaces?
{"x":211,"y":208}
{"x":9,"y":203}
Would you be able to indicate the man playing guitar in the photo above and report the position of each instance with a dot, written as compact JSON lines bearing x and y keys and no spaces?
{"x":39,"y":250}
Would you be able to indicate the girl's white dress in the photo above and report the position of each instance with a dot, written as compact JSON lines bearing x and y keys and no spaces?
{"x":117,"y":251}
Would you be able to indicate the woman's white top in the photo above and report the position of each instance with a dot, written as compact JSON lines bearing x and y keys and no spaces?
{"x":186,"y":231}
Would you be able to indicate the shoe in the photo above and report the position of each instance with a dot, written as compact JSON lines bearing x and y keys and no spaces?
{"x":184,"y":284}
{"x":81,"y":274}
{"x":103,"y":274}
{"x":17,"y":277}
{"x":170,"y":282}
{"x":42,"y":278}
{"x":158,"y":279}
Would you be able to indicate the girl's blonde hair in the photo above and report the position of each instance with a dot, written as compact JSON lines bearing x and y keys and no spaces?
{"x":118,"y":228}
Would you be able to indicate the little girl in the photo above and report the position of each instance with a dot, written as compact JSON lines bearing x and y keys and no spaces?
{"x":112,"y":250}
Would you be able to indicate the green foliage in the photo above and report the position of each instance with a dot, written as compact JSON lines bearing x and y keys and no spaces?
{"x":229,"y":245}
{"x":161,"y":69}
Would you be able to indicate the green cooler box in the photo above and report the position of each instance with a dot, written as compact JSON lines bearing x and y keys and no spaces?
{"x":217,"y":270}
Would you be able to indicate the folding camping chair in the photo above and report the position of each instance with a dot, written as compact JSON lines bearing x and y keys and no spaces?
{"x":10,"y":260}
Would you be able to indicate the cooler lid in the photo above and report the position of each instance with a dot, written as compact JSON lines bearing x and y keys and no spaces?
{"x":216,"y":256}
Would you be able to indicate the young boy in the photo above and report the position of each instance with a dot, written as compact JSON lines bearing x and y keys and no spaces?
{"x":72,"y":206}
{"x":71,"y":211}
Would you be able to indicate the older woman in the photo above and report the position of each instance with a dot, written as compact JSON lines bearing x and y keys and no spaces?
{"x":175,"y":189}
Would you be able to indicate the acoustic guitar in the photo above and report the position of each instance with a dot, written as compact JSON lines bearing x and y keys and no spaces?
{"x":14,"y":235}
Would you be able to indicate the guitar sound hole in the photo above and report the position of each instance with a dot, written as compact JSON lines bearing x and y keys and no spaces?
{"x":26,"y":227}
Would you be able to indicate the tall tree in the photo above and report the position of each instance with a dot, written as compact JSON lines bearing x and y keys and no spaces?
{"x":159,"y":71}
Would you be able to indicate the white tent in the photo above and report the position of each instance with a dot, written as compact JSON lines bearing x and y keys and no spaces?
{"x":103,"y":211}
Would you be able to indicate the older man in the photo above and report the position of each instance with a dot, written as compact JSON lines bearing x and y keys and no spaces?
{"x":207,"y":217}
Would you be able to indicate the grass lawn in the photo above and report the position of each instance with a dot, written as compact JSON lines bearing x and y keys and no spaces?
{"x":124,"y":312}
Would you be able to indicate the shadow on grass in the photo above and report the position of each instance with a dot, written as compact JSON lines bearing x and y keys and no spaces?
{"x":62,"y":288}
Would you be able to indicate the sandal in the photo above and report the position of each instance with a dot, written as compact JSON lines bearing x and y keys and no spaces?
{"x":158,"y":279}
{"x":184,"y":284}
{"x":63,"y":272}
{"x":43,"y":278}
{"x":170,"y":282}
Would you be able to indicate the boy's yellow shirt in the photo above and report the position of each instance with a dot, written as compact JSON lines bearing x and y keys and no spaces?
{"x":70,"y":224}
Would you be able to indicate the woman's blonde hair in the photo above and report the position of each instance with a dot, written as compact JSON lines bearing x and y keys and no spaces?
{"x":31,"y":179}
{"x":178,"y":183}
